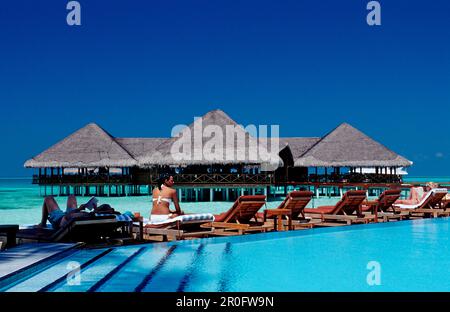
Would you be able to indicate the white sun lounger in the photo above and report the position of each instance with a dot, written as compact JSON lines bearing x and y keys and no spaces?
{"x":428,"y":204}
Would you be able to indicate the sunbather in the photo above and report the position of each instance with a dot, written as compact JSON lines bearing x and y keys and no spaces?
{"x":57,"y":217}
{"x":163,"y":195}
{"x":416,"y":194}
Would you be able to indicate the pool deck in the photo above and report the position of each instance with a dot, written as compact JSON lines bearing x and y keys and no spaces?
{"x":198,"y":264}
{"x":24,"y":256}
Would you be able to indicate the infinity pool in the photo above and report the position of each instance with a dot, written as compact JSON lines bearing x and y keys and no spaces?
{"x":401,"y":256}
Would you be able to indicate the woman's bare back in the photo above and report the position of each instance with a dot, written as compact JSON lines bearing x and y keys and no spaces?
{"x":161,"y":201}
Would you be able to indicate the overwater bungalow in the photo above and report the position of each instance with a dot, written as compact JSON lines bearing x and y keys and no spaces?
{"x":93,"y":162}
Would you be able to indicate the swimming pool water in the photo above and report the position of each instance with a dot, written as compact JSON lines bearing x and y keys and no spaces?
{"x":411,"y":255}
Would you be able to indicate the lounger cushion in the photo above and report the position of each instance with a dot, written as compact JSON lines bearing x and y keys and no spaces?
{"x":205,"y":217}
{"x":323,"y":209}
{"x":301,"y":194}
{"x":221,"y":217}
{"x":251,"y":198}
{"x":424,"y":199}
{"x":73,"y":230}
{"x":121,"y":217}
{"x":366,"y":208}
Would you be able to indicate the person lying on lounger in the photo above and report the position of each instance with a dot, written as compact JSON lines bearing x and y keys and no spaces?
{"x":416,"y":194}
{"x":57,"y":217}
{"x":163,"y":195}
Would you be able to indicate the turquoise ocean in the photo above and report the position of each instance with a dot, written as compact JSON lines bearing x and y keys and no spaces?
{"x":21,"y":203}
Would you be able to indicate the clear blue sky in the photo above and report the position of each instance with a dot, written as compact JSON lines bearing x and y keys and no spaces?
{"x":139,"y":67}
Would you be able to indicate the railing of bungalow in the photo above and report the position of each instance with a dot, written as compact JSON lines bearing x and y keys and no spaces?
{"x":221,"y":178}
{"x":79,"y":179}
{"x":180,"y":179}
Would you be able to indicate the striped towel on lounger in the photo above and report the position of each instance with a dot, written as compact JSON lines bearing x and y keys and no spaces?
{"x":206,"y":217}
{"x":120,"y":218}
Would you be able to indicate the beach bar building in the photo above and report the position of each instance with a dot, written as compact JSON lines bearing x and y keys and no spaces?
{"x":93,"y":162}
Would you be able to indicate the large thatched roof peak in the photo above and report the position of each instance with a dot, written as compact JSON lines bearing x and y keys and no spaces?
{"x":216,"y":118}
{"x":90,"y":146}
{"x":347,"y":146}
{"x":213,"y":125}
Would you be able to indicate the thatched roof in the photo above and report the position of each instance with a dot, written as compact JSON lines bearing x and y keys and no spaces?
{"x":170,"y":152}
{"x":346,"y":146}
{"x":90,"y":146}
{"x":139,"y":147}
{"x":298,"y":146}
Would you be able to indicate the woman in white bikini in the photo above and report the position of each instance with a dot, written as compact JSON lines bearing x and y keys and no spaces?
{"x":163,"y":195}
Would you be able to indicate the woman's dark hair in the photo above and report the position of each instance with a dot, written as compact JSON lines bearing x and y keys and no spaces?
{"x":162,"y":178}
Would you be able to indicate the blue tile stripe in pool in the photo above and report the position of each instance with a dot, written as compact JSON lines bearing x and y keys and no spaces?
{"x":193,"y":268}
{"x":149,"y":277}
{"x":108,"y":276}
{"x":134,"y":276}
{"x":409,"y":256}
{"x":71,"y":271}
{"x":92,"y":274}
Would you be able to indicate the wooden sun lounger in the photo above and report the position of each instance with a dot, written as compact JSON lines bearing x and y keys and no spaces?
{"x":445,"y":206}
{"x":430,"y":205}
{"x":292,"y":211}
{"x":10,"y":232}
{"x":241,"y":217}
{"x":383,"y":208}
{"x":389,"y":216}
{"x":82,"y":229}
{"x":179,"y":229}
{"x":227,"y":229}
{"x":347,"y":210}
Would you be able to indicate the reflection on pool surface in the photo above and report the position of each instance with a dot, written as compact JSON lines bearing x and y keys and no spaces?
{"x":400,"y":256}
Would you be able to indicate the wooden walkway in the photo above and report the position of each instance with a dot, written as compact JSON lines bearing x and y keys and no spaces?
{"x":23,"y":256}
